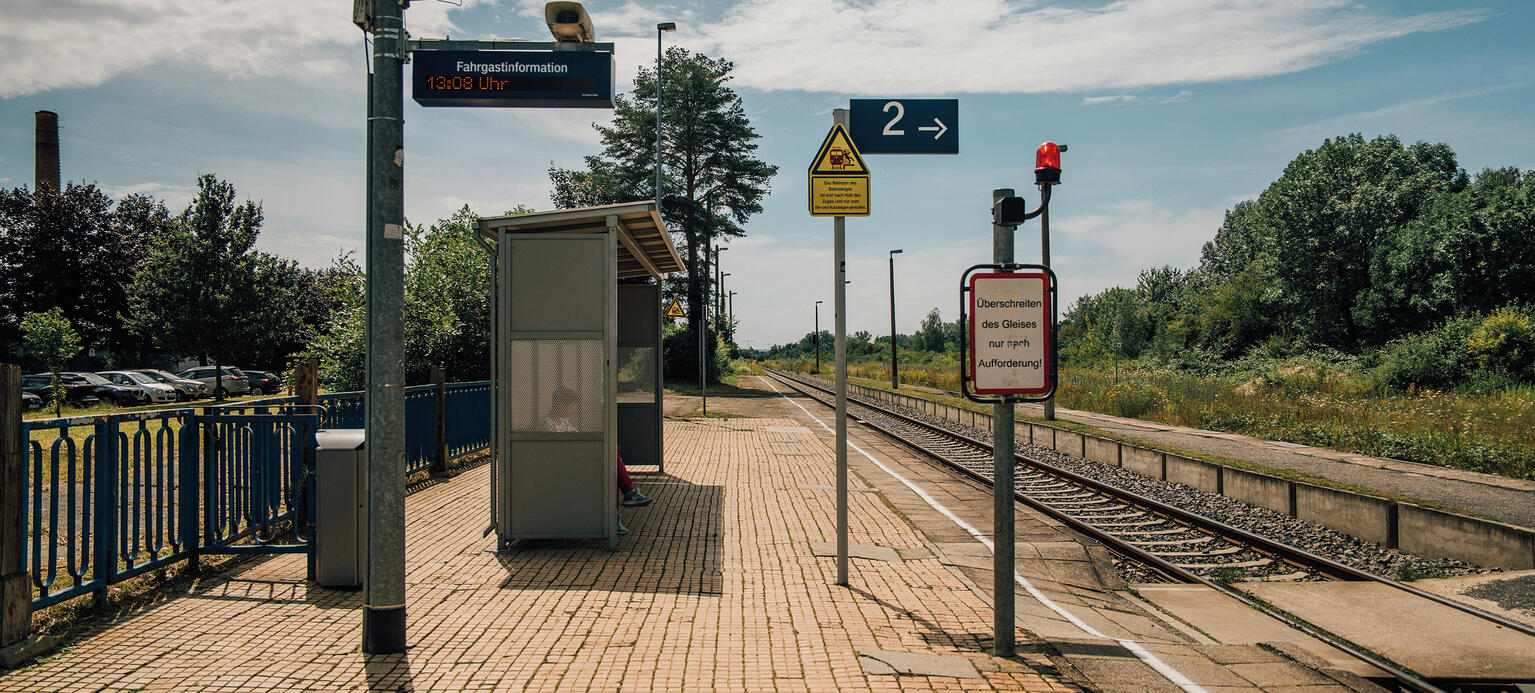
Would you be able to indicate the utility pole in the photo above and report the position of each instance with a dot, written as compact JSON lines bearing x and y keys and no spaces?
{"x":895,"y":381}
{"x":1002,"y":482}
{"x":732,"y":302}
{"x":383,"y":616}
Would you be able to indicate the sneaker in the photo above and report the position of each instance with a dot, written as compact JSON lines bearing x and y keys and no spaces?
{"x":634,"y":497}
{"x":621,"y":528}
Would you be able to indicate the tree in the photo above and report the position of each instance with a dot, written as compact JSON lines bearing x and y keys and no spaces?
{"x":712,"y":183}
{"x":200,"y":293}
{"x":72,"y":249}
{"x":930,"y":336}
{"x":51,"y":338}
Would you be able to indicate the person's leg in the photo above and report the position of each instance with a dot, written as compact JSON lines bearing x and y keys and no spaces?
{"x":628,"y":494}
{"x":625,"y":483}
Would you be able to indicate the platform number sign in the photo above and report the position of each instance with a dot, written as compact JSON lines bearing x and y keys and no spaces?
{"x":1008,"y":333}
{"x":905,"y":126}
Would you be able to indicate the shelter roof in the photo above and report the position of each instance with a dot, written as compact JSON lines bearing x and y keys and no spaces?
{"x":644,"y":247}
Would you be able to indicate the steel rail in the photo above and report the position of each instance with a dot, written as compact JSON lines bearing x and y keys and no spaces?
{"x":1134,"y":553}
{"x":1321,"y":564}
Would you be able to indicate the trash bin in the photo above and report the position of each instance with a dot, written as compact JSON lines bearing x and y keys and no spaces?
{"x":339,"y":470}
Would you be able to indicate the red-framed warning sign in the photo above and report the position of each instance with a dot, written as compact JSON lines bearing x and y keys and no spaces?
{"x":1007,"y":333}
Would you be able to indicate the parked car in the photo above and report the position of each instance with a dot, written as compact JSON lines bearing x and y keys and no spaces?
{"x":157,"y":392}
{"x":185,"y":389}
{"x":233,"y":379}
{"x":121,"y":395}
{"x":77,"y":392}
{"x":30,"y":401}
{"x":264,"y":381}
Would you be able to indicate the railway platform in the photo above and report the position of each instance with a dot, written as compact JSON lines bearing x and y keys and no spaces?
{"x":725,"y":582}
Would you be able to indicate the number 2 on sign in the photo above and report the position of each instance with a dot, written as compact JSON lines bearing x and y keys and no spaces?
{"x":900,"y":112}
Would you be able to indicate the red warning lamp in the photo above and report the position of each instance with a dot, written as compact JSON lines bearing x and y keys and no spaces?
{"x":1047,"y":163}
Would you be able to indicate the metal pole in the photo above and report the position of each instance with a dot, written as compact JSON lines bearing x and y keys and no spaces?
{"x":839,"y":226}
{"x":895,"y":380}
{"x":1044,"y":259}
{"x":703,"y":331}
{"x":383,"y":617}
{"x":732,"y":313}
{"x":817,"y":337}
{"x":1002,"y":484}
{"x":659,"y":30}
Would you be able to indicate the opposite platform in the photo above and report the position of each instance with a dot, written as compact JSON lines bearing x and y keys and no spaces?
{"x":717,"y":586}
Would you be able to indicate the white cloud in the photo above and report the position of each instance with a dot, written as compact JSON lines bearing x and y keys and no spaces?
{"x":1111,"y":247}
{"x":175,"y":196}
{"x":1117,"y":99}
{"x":919,"y":47}
{"x":56,"y":44}
{"x":1396,"y":113}
{"x":1180,"y":97}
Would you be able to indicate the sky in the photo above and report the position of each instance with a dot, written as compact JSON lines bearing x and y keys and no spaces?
{"x":1173,"y":111}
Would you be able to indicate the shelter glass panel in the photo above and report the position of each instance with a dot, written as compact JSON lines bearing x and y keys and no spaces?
{"x":557,"y":386}
{"x":637,"y":374}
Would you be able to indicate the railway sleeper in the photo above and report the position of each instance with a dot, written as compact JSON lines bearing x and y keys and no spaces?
{"x":1260,"y":563}
{"x":1227,"y":551}
{"x":1201,"y":539}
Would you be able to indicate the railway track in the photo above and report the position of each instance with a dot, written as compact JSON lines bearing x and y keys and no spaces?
{"x":1151,"y":540}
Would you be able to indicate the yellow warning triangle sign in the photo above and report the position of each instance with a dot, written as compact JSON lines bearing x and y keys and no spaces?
{"x":675,"y":310}
{"x":838,"y":156}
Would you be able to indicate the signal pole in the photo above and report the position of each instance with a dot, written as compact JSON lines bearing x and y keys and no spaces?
{"x":1002,"y":481}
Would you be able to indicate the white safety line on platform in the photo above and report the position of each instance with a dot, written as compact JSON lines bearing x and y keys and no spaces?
{"x":1135,"y":648}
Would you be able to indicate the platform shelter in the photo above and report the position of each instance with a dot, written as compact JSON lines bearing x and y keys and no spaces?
{"x":577,"y":353}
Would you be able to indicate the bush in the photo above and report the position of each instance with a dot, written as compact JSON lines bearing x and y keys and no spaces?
{"x":1135,"y":400}
{"x":1435,"y":359}
{"x":1505,"y":342}
{"x":680,"y":356}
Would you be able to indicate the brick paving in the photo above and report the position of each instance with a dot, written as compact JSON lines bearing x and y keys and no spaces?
{"x":715,"y":588}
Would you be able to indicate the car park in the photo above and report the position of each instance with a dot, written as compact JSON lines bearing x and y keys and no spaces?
{"x":157,"y":392}
{"x":77,"y":392}
{"x":185,"y":389}
{"x":264,"y":381}
{"x":121,"y":395}
{"x":234,"y":380}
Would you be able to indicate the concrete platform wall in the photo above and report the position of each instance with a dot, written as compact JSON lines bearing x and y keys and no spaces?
{"x":1365,"y":517}
{"x":1411,"y":528}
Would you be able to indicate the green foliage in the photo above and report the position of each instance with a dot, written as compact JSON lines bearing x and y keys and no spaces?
{"x":206,"y":292}
{"x":1359,"y":248}
{"x":75,"y":250}
{"x":447,"y":308}
{"x":50,"y":337}
{"x":1433,"y":359}
{"x":1505,"y":342}
{"x":1134,"y":399}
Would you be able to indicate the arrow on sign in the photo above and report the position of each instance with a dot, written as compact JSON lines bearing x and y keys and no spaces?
{"x":941,"y":128}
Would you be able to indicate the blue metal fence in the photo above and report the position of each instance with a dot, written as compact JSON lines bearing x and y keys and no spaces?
{"x":112,"y":497}
{"x":467,"y":417}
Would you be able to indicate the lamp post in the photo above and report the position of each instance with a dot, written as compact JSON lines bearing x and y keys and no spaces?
{"x":660,"y":29}
{"x":817,"y":337}
{"x":895,"y":381}
{"x":723,"y":296}
{"x":719,"y":280}
{"x":732,"y":308}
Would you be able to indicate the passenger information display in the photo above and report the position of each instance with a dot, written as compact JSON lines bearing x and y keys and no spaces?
{"x":513,"y":79}
{"x":1010,"y":324}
